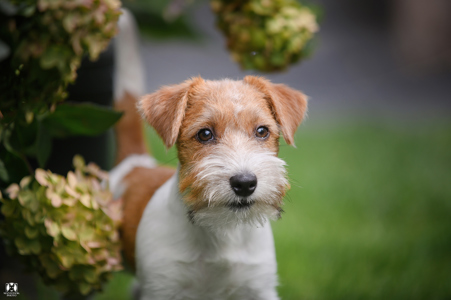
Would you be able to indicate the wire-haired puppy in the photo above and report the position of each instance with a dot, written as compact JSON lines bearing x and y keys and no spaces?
{"x":202,"y":231}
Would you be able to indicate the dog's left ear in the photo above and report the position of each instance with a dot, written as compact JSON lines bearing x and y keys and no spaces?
{"x":165,"y":109}
{"x":288,"y":105}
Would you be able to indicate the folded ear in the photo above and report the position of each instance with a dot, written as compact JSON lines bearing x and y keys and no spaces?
{"x":288,"y":105}
{"x":165,"y":109}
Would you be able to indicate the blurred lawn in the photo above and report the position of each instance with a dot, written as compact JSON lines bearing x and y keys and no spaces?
{"x":368,"y":215}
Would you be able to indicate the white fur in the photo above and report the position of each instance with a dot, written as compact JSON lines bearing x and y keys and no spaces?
{"x":177,"y":259}
{"x":129,"y":73}
{"x":117,"y":174}
{"x":237,"y":154}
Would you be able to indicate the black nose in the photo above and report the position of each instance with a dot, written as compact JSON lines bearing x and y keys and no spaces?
{"x":243,"y":184}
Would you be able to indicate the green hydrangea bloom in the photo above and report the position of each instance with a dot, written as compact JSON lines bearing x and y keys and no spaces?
{"x":46,"y":40}
{"x":266,"y":35}
{"x":65,"y":228}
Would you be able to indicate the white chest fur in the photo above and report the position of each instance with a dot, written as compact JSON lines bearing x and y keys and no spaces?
{"x":178,"y":260}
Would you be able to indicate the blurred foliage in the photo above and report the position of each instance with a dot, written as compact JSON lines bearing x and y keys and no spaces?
{"x":266,"y":35}
{"x":45,"y":41}
{"x":21,"y":140}
{"x":41,"y":45}
{"x":58,"y":227}
{"x":162,"y":19}
{"x":64,"y":228}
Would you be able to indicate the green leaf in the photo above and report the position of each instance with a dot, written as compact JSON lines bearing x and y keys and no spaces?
{"x":21,"y":139}
{"x":3,"y":172}
{"x":34,"y":246}
{"x":54,"y":56}
{"x":52,"y":269}
{"x":66,"y":259}
{"x":8,"y":208}
{"x":20,"y":242}
{"x":43,"y":145}
{"x":7,"y":142}
{"x":90,"y":275}
{"x":84,"y":287}
{"x":26,"y":197}
{"x":71,"y":119}
{"x":28,"y":216}
{"x":68,"y":233}
{"x":31,"y":232}
{"x":52,"y":228}
{"x":15,"y":165}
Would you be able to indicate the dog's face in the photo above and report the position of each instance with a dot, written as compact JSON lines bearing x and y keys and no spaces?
{"x":227,"y":136}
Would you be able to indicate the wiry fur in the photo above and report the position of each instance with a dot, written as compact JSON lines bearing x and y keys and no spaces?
{"x":237,"y":154}
{"x":194,"y":239}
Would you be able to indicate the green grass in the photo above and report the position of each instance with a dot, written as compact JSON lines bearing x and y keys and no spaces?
{"x":368,"y":215}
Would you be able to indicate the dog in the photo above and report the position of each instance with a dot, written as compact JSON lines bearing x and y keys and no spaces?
{"x":202,"y":231}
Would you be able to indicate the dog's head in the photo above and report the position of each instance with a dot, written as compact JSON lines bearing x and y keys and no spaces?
{"x":227,"y":136}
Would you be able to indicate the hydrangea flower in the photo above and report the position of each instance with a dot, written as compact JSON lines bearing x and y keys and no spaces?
{"x":65,"y":228}
{"x":266,"y":35}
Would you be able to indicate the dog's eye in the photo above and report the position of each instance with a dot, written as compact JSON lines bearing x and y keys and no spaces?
{"x":205,"y":135}
{"x":262,"y":132}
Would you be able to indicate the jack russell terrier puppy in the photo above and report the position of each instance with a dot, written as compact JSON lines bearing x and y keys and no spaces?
{"x":202,"y":231}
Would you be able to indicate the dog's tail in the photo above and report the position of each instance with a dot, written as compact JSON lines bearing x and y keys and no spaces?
{"x":132,"y":158}
{"x":128,"y":87}
{"x":129,"y":130}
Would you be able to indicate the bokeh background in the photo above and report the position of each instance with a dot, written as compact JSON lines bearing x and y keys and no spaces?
{"x":369,"y":212}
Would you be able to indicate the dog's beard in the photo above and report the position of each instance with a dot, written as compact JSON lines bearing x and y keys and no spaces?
{"x":214,"y":204}
{"x":223,"y":217}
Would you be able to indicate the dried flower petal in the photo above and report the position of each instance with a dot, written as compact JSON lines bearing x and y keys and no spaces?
{"x":56,"y":200}
{"x":78,"y":162}
{"x":41,"y":177}
{"x":25,"y":181}
{"x":52,"y":227}
{"x":13,"y":191}
{"x":71,"y":179}
{"x":71,"y":192}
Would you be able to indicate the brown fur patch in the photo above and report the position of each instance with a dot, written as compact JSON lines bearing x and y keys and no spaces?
{"x":289,"y":105}
{"x":141,"y":184}
{"x":129,"y":130}
{"x":165,"y":109}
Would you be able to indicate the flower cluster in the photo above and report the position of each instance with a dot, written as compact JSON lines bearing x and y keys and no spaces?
{"x":65,"y":228}
{"x":265,"y":35}
{"x":45,"y":41}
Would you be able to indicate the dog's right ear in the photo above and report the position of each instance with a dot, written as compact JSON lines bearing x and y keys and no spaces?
{"x":164,"y":110}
